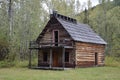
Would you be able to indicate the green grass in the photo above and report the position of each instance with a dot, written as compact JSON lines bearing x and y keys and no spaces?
{"x":112,"y":61}
{"x":94,"y":73}
{"x":18,"y":70}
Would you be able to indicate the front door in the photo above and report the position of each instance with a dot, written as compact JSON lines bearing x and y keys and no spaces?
{"x":96,"y":59}
{"x":55,"y":60}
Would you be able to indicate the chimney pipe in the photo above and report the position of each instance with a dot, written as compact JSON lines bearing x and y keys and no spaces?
{"x":54,"y":13}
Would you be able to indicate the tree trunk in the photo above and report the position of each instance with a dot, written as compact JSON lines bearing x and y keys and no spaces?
{"x":10,"y":19}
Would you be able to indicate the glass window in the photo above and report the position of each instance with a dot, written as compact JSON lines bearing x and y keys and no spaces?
{"x":66,"y":56}
{"x":45,"y":57}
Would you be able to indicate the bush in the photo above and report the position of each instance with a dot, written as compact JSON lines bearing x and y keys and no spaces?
{"x":25,"y":63}
{"x":6,"y":64}
{"x":112,"y":61}
{"x":3,"y":49}
{"x":17,"y":63}
{"x":21,"y":63}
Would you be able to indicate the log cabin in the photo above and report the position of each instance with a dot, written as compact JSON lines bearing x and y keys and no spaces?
{"x":66,"y":43}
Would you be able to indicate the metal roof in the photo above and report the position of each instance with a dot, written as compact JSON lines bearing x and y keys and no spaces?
{"x":81,"y":32}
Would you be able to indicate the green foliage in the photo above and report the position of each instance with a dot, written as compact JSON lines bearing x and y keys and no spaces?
{"x":17,"y":64}
{"x":112,"y":61}
{"x":4,"y":49}
{"x":105,"y":20}
{"x":6,"y":64}
{"x":29,"y":18}
{"x":21,"y":64}
{"x":4,"y":44}
{"x":114,"y":27}
{"x":24,"y":64}
{"x":117,"y":2}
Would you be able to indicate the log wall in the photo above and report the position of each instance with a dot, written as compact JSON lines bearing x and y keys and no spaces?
{"x":85,"y":54}
{"x":40,"y":58}
{"x":58,"y":52}
{"x":71,"y":62}
{"x":48,"y":35}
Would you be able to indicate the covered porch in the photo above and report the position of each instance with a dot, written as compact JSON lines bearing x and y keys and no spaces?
{"x":54,"y":57}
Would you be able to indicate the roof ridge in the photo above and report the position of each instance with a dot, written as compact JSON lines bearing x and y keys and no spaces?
{"x":65,"y":18}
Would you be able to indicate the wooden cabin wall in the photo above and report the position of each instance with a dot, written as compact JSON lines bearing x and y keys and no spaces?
{"x":85,"y":54}
{"x":71,"y":62}
{"x":48,"y":35}
{"x":58,"y":52}
{"x":40,"y":58}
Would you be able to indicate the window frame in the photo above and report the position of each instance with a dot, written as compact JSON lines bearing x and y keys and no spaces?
{"x":68,"y":57}
{"x":54,"y":36}
{"x":45,"y":57}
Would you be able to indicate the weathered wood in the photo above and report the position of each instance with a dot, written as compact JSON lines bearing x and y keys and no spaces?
{"x":48,"y":35}
{"x":63,"y":57}
{"x":85,"y":54}
{"x":80,"y":53}
{"x":50,"y":63}
{"x":30,"y":54}
{"x":34,"y":45}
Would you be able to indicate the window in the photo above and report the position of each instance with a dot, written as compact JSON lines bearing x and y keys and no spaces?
{"x":45,"y":57}
{"x":56,"y":37}
{"x":96,"y":58}
{"x":66,"y":56}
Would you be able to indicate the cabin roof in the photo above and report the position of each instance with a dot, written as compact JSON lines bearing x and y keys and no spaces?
{"x":81,"y":32}
{"x":78,"y":31}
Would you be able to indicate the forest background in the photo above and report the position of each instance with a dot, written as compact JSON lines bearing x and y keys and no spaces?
{"x":21,"y":21}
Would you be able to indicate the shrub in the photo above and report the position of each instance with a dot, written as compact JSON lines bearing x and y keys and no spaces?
{"x":3,"y":49}
{"x":5,"y":63}
{"x":112,"y":61}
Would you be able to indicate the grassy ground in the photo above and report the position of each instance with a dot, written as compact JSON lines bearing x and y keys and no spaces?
{"x":18,"y":71}
{"x":94,"y":73}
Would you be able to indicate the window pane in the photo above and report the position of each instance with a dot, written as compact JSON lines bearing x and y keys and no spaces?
{"x":45,"y":57}
{"x":66,"y":56}
{"x":56,"y":35}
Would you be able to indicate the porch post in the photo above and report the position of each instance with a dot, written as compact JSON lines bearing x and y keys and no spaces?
{"x":63,"y":58}
{"x":50,"y":63}
{"x":30,"y":53}
{"x":39,"y":52}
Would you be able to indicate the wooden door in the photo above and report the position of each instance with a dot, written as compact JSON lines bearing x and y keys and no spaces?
{"x":96,"y":58}
{"x":55,"y":60}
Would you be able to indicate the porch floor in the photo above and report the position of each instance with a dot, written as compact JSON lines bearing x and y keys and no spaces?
{"x":52,"y":68}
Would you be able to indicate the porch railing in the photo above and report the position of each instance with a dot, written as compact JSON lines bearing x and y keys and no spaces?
{"x":34,"y":44}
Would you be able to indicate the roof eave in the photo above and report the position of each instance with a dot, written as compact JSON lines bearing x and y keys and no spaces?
{"x":91,"y":42}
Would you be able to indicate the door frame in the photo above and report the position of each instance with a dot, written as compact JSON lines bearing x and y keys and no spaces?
{"x":55,"y":59}
{"x":54,"y":35}
{"x":96,"y":58}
